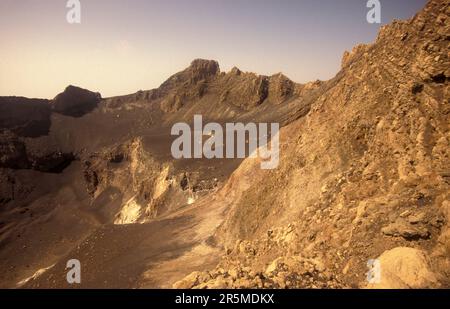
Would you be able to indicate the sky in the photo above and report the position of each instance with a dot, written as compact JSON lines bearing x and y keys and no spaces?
{"x":122,"y":46}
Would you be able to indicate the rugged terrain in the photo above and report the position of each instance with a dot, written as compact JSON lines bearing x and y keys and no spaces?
{"x":364,"y":173}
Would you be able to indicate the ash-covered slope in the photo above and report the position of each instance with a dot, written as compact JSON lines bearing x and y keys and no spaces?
{"x":364,"y":175}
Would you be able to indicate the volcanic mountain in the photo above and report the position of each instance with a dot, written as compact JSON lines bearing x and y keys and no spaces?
{"x":364,"y":175}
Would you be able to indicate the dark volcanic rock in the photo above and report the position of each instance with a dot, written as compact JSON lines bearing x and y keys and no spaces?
{"x":75,"y":101}
{"x":12,"y":152}
{"x":25,"y":117}
{"x":55,"y":162}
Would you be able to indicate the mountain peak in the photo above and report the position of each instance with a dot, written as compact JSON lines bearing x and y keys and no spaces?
{"x":204,"y":64}
{"x":201,"y":68}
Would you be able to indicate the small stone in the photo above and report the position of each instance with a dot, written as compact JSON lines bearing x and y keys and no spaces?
{"x":416,"y":218}
{"x":417,"y":88}
{"x":402,"y":229}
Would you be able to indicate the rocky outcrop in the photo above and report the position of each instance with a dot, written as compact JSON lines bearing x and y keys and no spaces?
{"x":12,"y":152}
{"x":199,"y":70}
{"x":357,"y":52}
{"x":52,"y":161}
{"x":188,"y":85}
{"x":281,"y":89}
{"x":145,"y":187}
{"x":75,"y":102}
{"x":244,"y":90}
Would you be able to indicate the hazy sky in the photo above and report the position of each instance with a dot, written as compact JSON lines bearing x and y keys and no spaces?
{"x":123,"y":46}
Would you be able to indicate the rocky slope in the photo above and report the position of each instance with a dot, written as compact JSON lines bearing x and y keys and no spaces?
{"x":364,"y":174}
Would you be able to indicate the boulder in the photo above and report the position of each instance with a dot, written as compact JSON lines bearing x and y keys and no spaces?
{"x":405,"y":267}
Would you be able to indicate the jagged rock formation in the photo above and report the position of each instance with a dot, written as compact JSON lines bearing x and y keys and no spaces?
{"x":364,"y":173}
{"x":234,"y":93}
